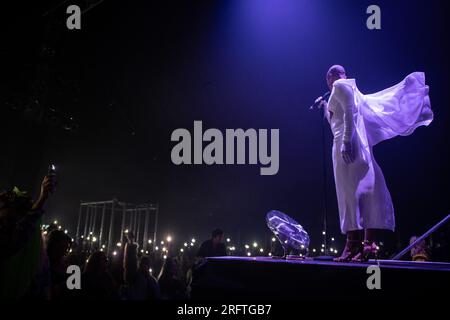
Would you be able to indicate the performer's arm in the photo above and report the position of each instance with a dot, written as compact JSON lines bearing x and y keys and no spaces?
{"x":347,"y":102}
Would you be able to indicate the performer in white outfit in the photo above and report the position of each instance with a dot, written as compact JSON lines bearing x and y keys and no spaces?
{"x":359,"y":122}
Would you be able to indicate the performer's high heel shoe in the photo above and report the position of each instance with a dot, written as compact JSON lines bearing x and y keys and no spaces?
{"x":351,"y":250}
{"x":369,"y":250}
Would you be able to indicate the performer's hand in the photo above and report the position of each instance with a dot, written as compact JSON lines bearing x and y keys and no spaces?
{"x":320,"y":102}
{"x":347,"y":152}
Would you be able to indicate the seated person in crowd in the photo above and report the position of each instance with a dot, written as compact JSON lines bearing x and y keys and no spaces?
{"x":213,"y":247}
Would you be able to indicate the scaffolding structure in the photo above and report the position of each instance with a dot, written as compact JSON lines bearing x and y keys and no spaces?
{"x":102,"y":224}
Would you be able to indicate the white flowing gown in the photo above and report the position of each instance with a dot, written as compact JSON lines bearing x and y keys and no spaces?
{"x":365,"y":120}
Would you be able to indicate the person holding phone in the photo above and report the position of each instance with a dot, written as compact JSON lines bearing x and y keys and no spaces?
{"x":21,"y":246}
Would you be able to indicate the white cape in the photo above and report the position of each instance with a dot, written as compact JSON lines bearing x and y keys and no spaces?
{"x":395,"y":111}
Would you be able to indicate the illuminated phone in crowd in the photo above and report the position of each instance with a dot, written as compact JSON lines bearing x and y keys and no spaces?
{"x":52,"y":172}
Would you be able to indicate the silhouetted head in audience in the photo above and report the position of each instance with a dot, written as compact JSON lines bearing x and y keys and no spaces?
{"x":58,"y":245}
{"x":169,"y":269}
{"x":144,"y":264}
{"x":97,"y":263}
{"x":217,"y":236}
{"x":14,"y":204}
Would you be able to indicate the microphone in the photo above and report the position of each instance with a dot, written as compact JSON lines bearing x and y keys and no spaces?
{"x":324,"y":97}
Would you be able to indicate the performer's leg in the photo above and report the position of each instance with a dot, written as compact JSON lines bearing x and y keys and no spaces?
{"x":353,"y":246}
{"x":371,"y":235}
{"x":370,"y":246}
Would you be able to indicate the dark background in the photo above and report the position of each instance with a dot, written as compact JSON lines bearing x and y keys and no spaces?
{"x":138,"y":70}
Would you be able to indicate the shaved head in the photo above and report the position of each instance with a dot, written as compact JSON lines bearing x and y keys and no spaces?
{"x":334,"y":73}
{"x":336,"y":69}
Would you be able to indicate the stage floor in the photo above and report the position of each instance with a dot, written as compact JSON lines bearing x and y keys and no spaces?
{"x":270,"y":278}
{"x":432,"y":266}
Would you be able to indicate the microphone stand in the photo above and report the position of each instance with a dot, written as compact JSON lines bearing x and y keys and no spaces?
{"x":325,"y":256}
{"x":325,"y":180}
